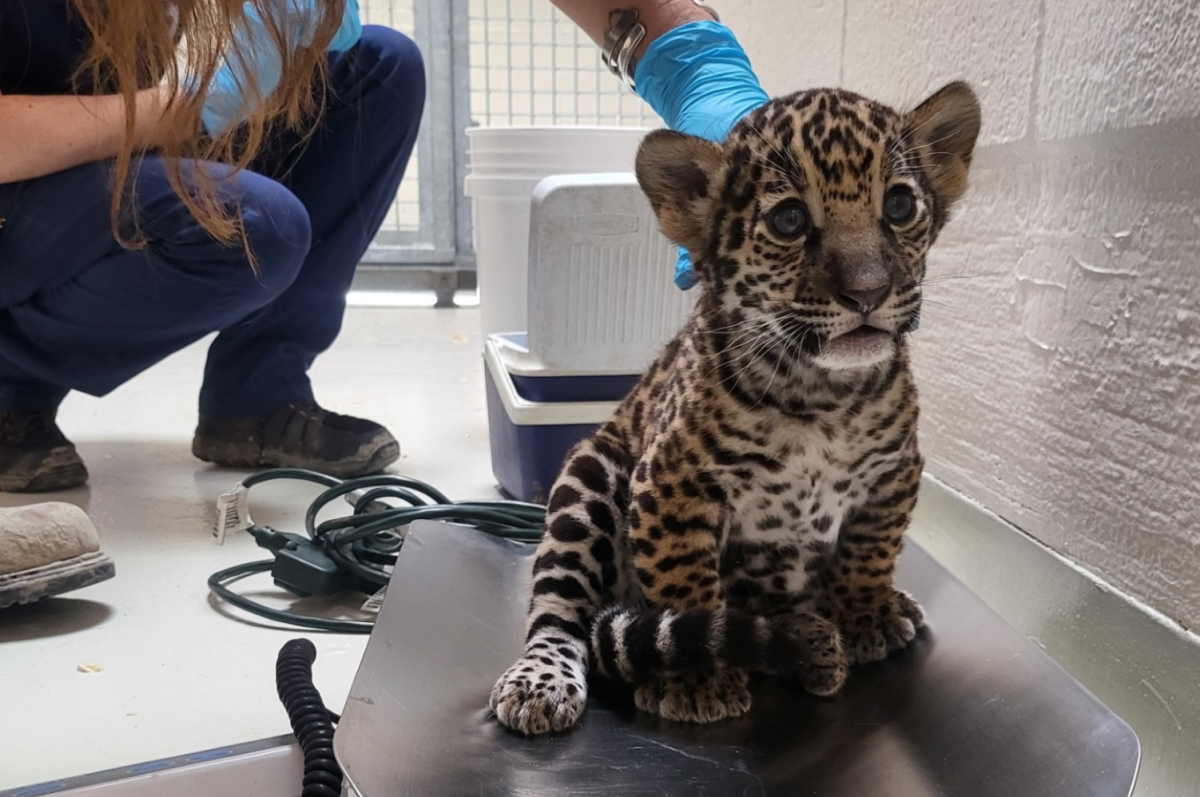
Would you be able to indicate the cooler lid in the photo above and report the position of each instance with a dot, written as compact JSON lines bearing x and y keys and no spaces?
{"x":522,"y":412}
{"x":513,"y":350}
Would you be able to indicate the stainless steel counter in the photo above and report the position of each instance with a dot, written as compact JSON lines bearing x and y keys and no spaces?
{"x":973,"y":709}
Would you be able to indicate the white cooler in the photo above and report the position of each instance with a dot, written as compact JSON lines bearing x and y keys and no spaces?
{"x":576,"y":290}
{"x":536,"y":415}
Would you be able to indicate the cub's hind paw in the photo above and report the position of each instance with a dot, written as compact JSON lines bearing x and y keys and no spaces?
{"x":707,"y":698}
{"x":886,"y":626}
{"x":533,"y":697}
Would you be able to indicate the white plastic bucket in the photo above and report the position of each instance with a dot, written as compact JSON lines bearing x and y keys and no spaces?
{"x":505,"y":165}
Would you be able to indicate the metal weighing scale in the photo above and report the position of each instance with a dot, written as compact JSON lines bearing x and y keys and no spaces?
{"x":972,"y":709}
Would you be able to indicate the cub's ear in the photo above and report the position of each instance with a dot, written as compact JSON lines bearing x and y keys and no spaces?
{"x":675,"y":172}
{"x":946,"y":126}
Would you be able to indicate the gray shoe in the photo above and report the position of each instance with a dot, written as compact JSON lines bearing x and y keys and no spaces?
{"x":48,"y":549}
{"x":299,"y":435}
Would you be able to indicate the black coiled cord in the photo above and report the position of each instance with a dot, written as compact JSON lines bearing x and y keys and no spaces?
{"x":312,"y":723}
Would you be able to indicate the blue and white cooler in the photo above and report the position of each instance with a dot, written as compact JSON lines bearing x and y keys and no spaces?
{"x":600,"y":305}
{"x":537,"y":414}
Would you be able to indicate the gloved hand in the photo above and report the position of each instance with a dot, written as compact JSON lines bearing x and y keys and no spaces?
{"x":225,"y":103}
{"x":699,"y":80}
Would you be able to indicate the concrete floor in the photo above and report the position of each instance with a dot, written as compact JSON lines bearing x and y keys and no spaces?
{"x":180,"y":673}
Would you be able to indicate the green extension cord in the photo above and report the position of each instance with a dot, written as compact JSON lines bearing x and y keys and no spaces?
{"x":353,"y":552}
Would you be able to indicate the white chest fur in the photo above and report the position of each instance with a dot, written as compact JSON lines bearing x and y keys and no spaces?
{"x":805,"y":502}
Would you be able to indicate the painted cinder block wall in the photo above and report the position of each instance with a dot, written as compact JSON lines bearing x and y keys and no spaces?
{"x":1059,"y":355}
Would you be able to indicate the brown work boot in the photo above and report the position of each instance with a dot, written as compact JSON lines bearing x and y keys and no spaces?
{"x":299,"y":435}
{"x":48,"y":549}
{"x":35,"y":456}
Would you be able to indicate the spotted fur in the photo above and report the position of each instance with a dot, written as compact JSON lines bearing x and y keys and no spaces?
{"x":744,"y":509}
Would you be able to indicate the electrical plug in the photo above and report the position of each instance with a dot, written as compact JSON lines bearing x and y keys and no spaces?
{"x":301,"y":566}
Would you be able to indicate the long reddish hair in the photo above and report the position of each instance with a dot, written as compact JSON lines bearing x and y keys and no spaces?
{"x":138,"y":44}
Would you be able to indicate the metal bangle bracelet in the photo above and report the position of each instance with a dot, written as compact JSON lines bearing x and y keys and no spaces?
{"x":624,"y":35}
{"x":625,"y":60}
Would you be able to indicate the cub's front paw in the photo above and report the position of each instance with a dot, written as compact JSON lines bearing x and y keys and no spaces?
{"x":707,"y":698}
{"x":885,"y":626}
{"x":823,"y":670}
{"x":534,"y":697}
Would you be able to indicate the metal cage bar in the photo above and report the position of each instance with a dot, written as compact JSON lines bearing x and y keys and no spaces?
{"x":488,"y":62}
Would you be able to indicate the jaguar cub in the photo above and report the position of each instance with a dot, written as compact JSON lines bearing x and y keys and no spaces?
{"x":744,"y":509}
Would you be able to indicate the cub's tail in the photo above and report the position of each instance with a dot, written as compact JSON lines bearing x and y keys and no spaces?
{"x":638,"y":645}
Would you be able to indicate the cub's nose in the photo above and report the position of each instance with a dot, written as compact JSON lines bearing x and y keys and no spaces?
{"x":863,"y":300}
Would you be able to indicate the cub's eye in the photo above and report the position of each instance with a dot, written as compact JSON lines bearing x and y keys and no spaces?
{"x":899,"y":204}
{"x":788,"y":220}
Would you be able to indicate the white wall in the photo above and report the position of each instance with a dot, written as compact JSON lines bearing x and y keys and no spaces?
{"x":1059,"y":361}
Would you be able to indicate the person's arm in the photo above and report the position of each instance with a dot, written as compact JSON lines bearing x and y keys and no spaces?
{"x":689,"y":68}
{"x":259,"y":62}
{"x":658,"y":16}
{"x":40,"y":135}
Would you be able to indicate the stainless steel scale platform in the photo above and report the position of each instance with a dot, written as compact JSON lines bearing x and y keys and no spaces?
{"x":972,"y":709}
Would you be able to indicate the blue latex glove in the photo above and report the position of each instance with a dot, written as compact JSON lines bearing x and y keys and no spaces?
{"x":699,"y":80}
{"x":225,"y":105}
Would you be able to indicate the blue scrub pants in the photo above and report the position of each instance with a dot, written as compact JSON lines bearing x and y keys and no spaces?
{"x":79,"y":312}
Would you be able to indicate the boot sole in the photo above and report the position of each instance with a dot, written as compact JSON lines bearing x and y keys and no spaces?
{"x":234,"y":455}
{"x":27,"y":586}
{"x":62,"y":469}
